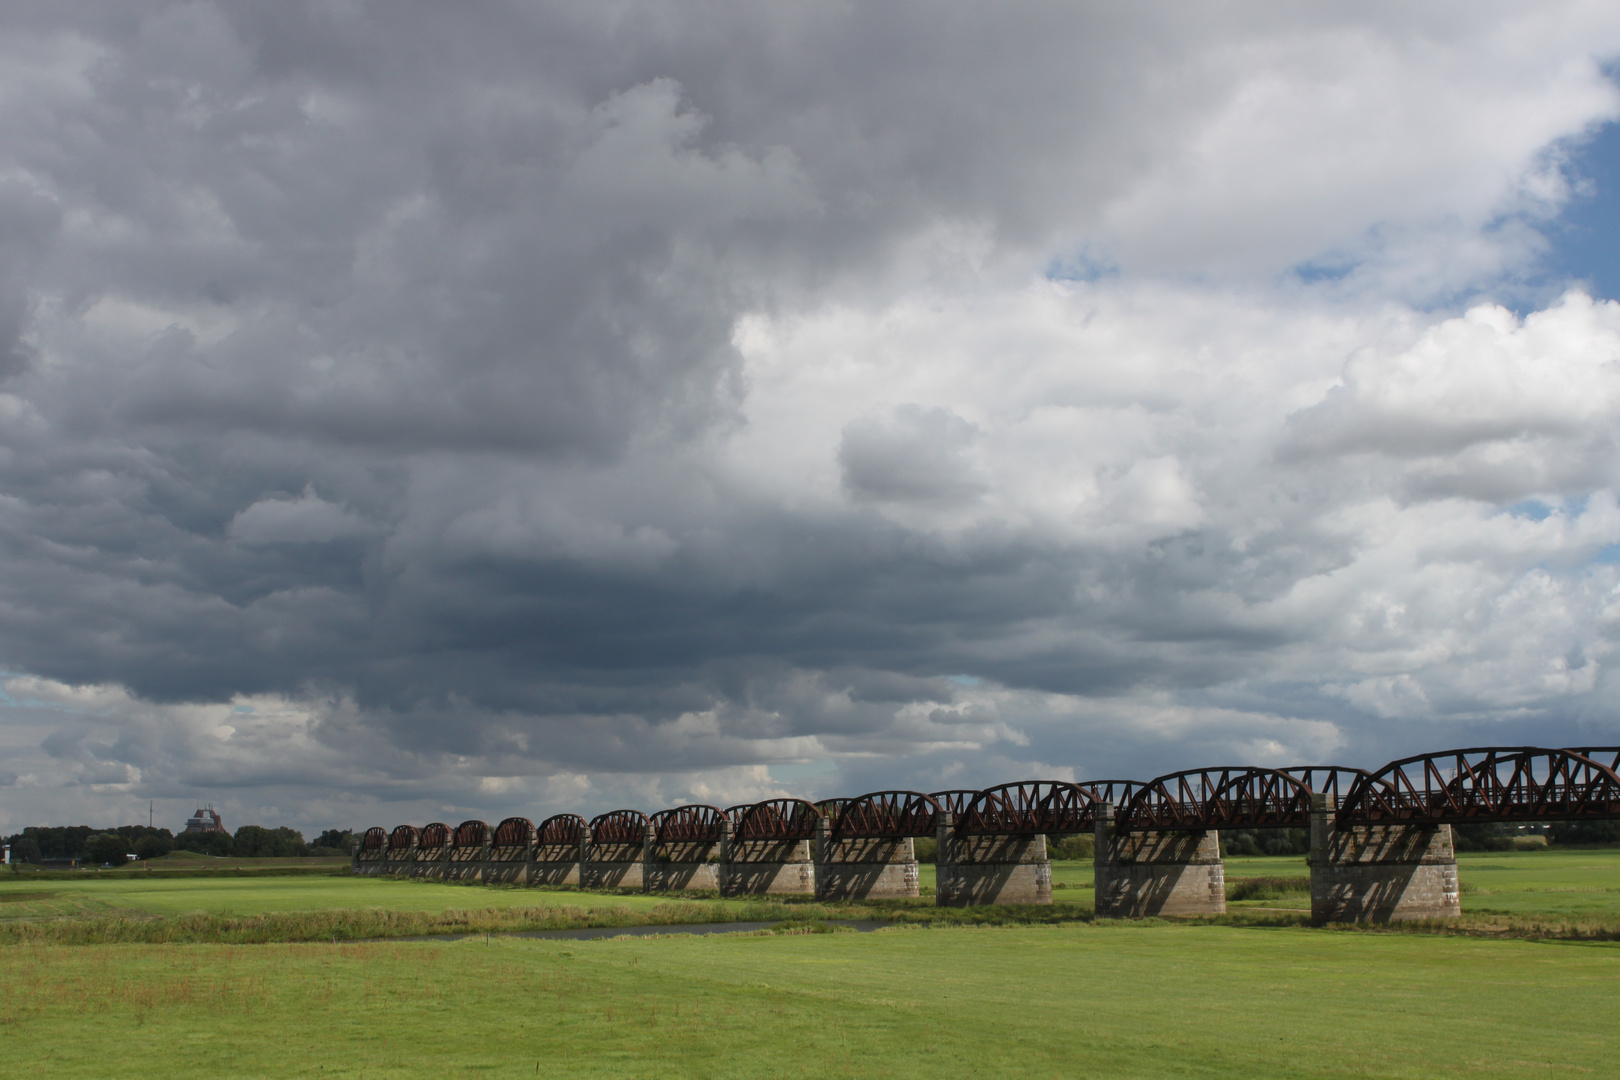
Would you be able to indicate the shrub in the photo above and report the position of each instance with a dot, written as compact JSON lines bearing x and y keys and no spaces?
{"x":154,"y":847}
{"x":207,"y":843}
{"x":1584,"y":832}
{"x":106,"y":849}
{"x":1080,"y":846}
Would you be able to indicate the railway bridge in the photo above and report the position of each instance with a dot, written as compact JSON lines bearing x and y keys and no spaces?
{"x":1380,"y":841}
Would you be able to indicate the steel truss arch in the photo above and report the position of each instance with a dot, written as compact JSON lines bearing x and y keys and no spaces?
{"x":778,"y":819}
{"x":435,"y":835}
{"x":1485,"y":784}
{"x":561,"y":829}
{"x":403,"y":838}
{"x":955,"y":801}
{"x":1056,"y":807}
{"x":1224,"y":798}
{"x":619,"y":827}
{"x":886,"y":815}
{"x":1607,"y":756}
{"x":696,"y":822}
{"x":832,"y":808}
{"x":375,"y":838}
{"x":514,"y":832}
{"x":1334,"y":780}
{"x":470,"y":834}
{"x":1114,"y":792}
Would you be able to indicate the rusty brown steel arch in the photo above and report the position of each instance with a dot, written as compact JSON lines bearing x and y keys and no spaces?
{"x":470,"y":834}
{"x":374,"y":839}
{"x":619,"y":827}
{"x":561,"y":829}
{"x":1484,"y":784}
{"x":1607,"y":756}
{"x":735,"y":814}
{"x":1056,"y":807}
{"x":685,"y":824}
{"x":514,"y":832}
{"x":831,"y":808}
{"x":435,"y":835}
{"x":954,"y":801}
{"x":886,"y":815}
{"x":1225,"y":798}
{"x":1334,"y":780}
{"x":1114,"y":792}
{"x":402,"y":838}
{"x":778,"y":819}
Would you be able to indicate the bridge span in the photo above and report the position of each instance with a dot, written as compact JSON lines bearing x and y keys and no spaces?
{"x":1380,"y":841}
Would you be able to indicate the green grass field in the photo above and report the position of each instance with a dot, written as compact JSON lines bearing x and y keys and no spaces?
{"x":1114,"y":1000}
{"x":1254,"y":997}
{"x":257,"y":896}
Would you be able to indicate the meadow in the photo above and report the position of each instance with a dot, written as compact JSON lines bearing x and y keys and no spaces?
{"x":1255,"y":994}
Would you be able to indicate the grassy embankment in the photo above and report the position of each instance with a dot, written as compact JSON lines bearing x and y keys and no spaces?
{"x":1127,"y":1000}
{"x":1261,"y":995}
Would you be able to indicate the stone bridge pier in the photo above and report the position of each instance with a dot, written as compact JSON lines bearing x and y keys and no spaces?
{"x":676,"y":865}
{"x":561,"y":864}
{"x":431,"y":862}
{"x":619,"y":864}
{"x":1141,"y":873}
{"x":864,"y":868}
{"x":990,"y":869}
{"x":1380,"y":873}
{"x":510,"y":863}
{"x":766,"y":867}
{"x":400,"y":863}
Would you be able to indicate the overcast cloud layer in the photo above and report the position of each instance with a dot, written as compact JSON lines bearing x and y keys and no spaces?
{"x":420,"y":411}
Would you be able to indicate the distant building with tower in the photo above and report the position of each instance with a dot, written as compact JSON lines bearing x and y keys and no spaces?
{"x":204,"y":821}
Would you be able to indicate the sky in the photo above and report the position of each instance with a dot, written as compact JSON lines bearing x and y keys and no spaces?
{"x":417,"y":412}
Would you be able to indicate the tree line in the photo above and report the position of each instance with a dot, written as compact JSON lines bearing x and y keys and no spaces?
{"x":101,"y":847}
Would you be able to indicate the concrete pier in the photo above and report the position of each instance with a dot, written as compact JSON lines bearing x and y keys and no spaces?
{"x":864,"y":868}
{"x":510,"y":863}
{"x":991,"y":869}
{"x":1157,"y":872}
{"x":400,"y":860}
{"x":369,"y":862}
{"x":430,"y":862}
{"x":561,"y":864}
{"x":1380,"y":873}
{"x":618,"y":864}
{"x":675,"y":865}
{"x":767,"y":867}
{"x":464,"y":864}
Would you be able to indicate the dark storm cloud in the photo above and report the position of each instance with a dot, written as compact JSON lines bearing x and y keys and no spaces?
{"x":529,"y":403}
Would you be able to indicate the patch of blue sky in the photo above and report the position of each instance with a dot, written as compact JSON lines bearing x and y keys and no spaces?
{"x":1584,"y":240}
{"x":1080,"y":266}
{"x":1534,"y":509}
{"x":967,"y":680}
{"x":1330,"y":270}
{"x":1541,"y":509}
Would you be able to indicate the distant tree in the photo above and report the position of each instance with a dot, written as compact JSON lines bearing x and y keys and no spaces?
{"x":1584,"y":832}
{"x":256,"y":842}
{"x":154,"y":847}
{"x":206,"y":843}
{"x":24,"y":848}
{"x":335,"y":841}
{"x":60,"y":841}
{"x":106,"y":848}
{"x":1071,"y":847}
